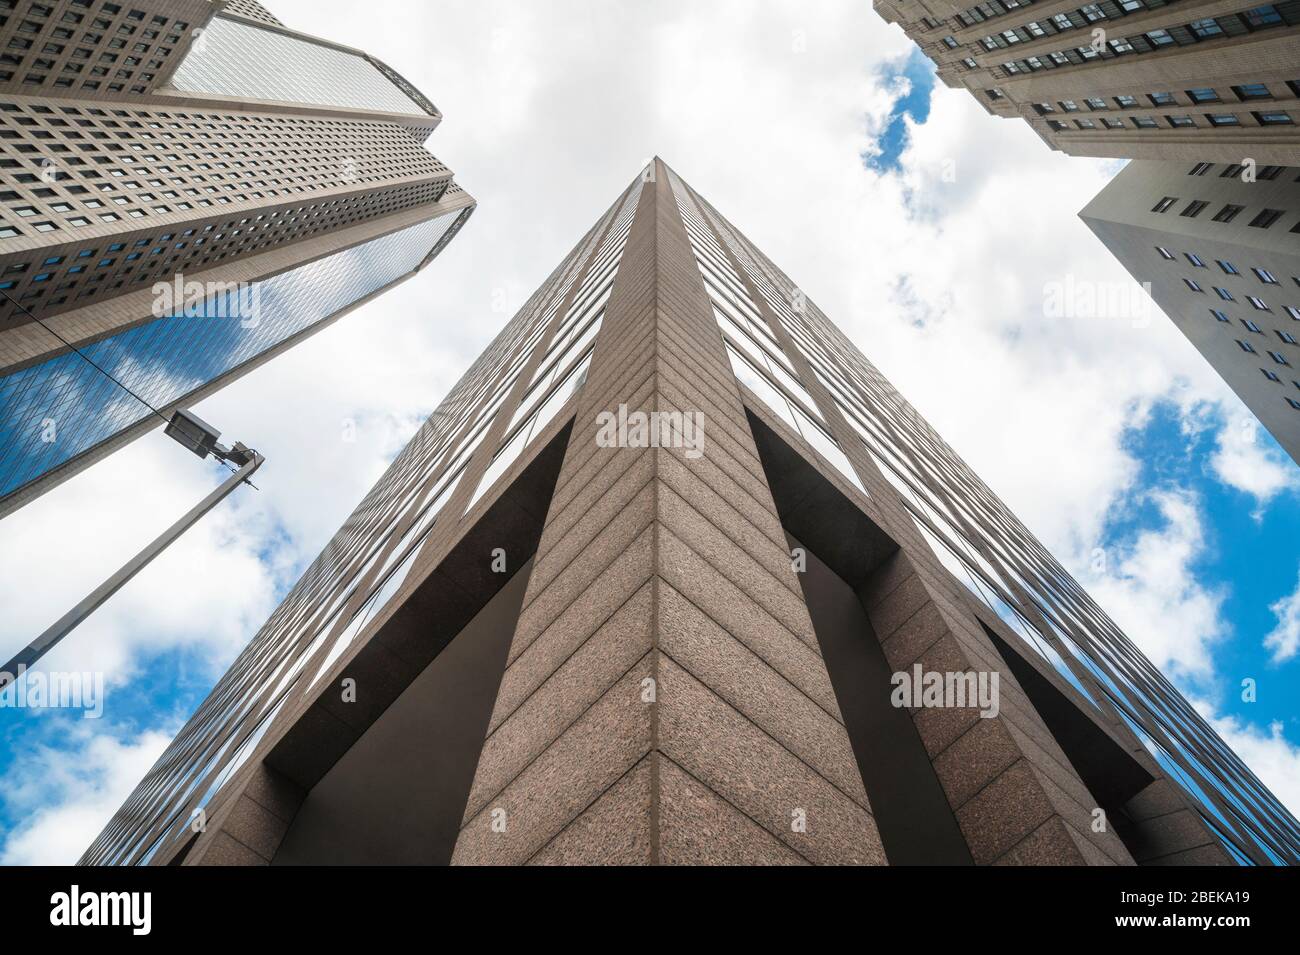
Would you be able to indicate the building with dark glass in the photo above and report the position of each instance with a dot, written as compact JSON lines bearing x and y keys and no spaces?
{"x":1218,"y":246}
{"x":673,"y":575}
{"x":1135,"y":79}
{"x":187,"y":188}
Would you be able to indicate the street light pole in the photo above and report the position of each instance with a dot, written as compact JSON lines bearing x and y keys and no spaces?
{"x":188,"y":426}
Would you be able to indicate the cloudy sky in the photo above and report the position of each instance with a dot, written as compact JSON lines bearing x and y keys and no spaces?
{"x":930,"y":231}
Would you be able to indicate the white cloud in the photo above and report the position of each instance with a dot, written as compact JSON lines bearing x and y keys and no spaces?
{"x":65,"y":795}
{"x":1149,"y":588}
{"x":1242,"y":460}
{"x":207,"y":593}
{"x":1283,"y":642}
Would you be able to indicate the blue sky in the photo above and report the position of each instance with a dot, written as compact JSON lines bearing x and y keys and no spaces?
{"x":914,"y":80}
{"x":1250,"y":558}
{"x":1099,"y":434}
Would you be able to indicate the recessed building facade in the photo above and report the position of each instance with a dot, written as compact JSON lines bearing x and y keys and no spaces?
{"x":673,"y":575}
{"x":1136,"y":79}
{"x":186,"y":190}
{"x":1219,"y":246}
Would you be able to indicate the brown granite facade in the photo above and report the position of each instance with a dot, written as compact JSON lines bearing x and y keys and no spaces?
{"x":678,"y":651}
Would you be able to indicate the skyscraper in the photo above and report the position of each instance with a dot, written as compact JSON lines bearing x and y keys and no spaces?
{"x":187,"y":189}
{"x":1135,"y":79}
{"x":1219,"y":245}
{"x":674,"y":575}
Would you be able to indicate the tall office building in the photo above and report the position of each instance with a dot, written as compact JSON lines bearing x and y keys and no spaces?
{"x":187,"y":188}
{"x":1220,"y":246}
{"x":1136,"y":79}
{"x":652,"y":585}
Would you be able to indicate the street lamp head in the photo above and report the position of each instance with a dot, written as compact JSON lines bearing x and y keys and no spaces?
{"x":193,"y":432}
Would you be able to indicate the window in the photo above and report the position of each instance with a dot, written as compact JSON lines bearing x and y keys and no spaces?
{"x":1203,"y":95}
{"x":1222,"y":119}
{"x":1193,"y":209}
{"x":1144,"y":122}
{"x":1094,"y":103}
{"x":1246,"y":346}
{"x":1266,"y":218}
{"x":1232,"y":170}
{"x":1161,"y":38}
{"x":951,"y":42}
{"x":1191,"y":284}
{"x":1293,"y":403}
{"x":1271,"y":375}
{"x":1224,"y":294}
{"x":1164,"y":204}
{"x":1286,"y":337}
{"x":1218,"y":315}
{"x":1164,"y":253}
{"x":1069,"y":105}
{"x":1262,"y":17}
{"x":1252,"y":91}
{"x":1204,"y":29}
{"x":1085,"y":124}
{"x":1126,"y":102}
{"x":1265,"y":276}
{"x":1292,"y":311}
{"x":1227,"y":214}
{"x":1274,"y":118}
{"x":1279,"y":358}
{"x":1252,"y":327}
{"x":1201,"y":168}
{"x":1180,"y":120}
{"x":1258,"y":303}
{"x":1194,"y":259}
{"x":1227,"y":267}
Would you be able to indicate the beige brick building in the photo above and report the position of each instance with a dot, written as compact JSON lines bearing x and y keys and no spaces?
{"x":1138,"y":79}
{"x":646,"y":588}
{"x":1219,"y":246}
{"x":144,"y":141}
